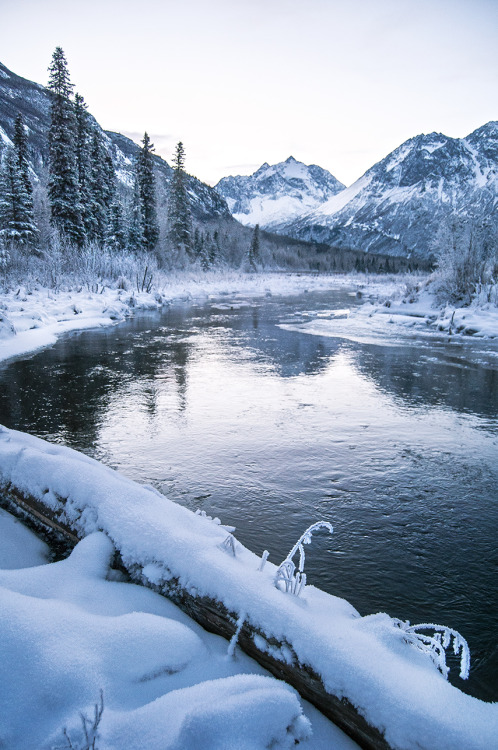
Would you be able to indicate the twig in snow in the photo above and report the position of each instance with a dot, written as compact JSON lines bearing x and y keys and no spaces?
{"x":229,"y":545}
{"x":293,"y":581}
{"x":235,"y":636}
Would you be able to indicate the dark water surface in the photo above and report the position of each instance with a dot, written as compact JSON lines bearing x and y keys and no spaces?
{"x":271,"y":430}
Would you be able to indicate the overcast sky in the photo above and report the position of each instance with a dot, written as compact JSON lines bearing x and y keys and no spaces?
{"x":339,"y":84}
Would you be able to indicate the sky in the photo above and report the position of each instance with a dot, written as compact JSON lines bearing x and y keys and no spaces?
{"x":339,"y":84}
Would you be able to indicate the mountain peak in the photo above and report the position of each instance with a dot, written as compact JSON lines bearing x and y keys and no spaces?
{"x":278,"y":193}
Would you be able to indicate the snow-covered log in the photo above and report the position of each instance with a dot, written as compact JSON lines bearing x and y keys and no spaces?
{"x":362,"y":672}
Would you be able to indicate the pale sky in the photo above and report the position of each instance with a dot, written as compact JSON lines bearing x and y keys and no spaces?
{"x":339,"y":84}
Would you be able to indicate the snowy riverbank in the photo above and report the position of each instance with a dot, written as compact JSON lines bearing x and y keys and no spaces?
{"x":372,"y":661}
{"x":400,"y":314}
{"x":32,"y":318}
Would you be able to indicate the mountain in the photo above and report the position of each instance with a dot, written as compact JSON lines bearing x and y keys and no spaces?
{"x":33,"y":101}
{"x":396,"y":207}
{"x":277,"y":194}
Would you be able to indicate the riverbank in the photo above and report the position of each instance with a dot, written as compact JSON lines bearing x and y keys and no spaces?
{"x":34,"y":317}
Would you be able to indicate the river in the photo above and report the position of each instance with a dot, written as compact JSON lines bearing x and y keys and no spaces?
{"x":223,"y":410}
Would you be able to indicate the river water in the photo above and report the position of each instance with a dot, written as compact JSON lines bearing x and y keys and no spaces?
{"x":395,"y":442}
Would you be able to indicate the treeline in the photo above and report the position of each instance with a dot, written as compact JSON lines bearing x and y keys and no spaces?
{"x":84,"y":205}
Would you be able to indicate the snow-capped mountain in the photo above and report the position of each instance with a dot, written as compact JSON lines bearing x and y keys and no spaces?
{"x":277,"y":194}
{"x":33,"y":102}
{"x":398,"y":204}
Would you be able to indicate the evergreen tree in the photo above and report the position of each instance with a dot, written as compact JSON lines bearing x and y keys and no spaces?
{"x":101,"y":188}
{"x":4,"y":255}
{"x":21,"y":147}
{"x":179,"y":216}
{"x":63,"y":186}
{"x":116,"y":236}
{"x":254,"y":249}
{"x":83,"y":161}
{"x":147,"y":188}
{"x":136,"y":240}
{"x":16,"y":213}
{"x":214,"y":249}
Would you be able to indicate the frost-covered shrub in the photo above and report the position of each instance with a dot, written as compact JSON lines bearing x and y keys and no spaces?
{"x":435,"y":642}
{"x":90,"y":730}
{"x":467,"y":259}
{"x":293,"y":582}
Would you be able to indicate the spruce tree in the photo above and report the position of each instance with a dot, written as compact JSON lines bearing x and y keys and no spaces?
{"x":254,"y":249}
{"x":83,"y":143}
{"x":136,"y":241}
{"x":116,"y":236}
{"x":63,"y":186}
{"x":102,"y":188}
{"x":179,"y":215}
{"x":21,"y":147}
{"x":147,"y":188}
{"x":16,"y":212}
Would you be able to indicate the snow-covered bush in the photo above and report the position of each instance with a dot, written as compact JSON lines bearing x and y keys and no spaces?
{"x":467,"y":260}
{"x":293,"y":582}
{"x":435,"y":642}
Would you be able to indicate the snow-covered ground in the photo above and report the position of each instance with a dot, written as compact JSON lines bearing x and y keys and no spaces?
{"x":31,"y":318}
{"x":393,"y":316}
{"x":71,"y":629}
{"x":68,"y":631}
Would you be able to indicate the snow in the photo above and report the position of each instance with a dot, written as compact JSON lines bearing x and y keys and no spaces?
{"x":5,"y":138}
{"x":339,"y":201}
{"x":270,"y":211}
{"x":431,"y":147}
{"x":395,"y":320}
{"x":368,"y":660}
{"x":480,"y":177}
{"x":69,"y":631}
{"x":20,"y":548}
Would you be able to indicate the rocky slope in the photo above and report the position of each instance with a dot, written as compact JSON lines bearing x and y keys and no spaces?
{"x":398,"y":204}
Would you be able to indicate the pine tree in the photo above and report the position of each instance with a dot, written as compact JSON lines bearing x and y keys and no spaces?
{"x":136,"y":240}
{"x":179,"y":216}
{"x":116,"y":236}
{"x":4,"y":255}
{"x":83,"y":144}
{"x":147,"y":188}
{"x":254,"y":249}
{"x":63,"y":186}
{"x":21,"y":147}
{"x":16,"y":214}
{"x":101,"y":188}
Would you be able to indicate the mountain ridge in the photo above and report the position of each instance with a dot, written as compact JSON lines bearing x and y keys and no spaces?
{"x":397,"y":205}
